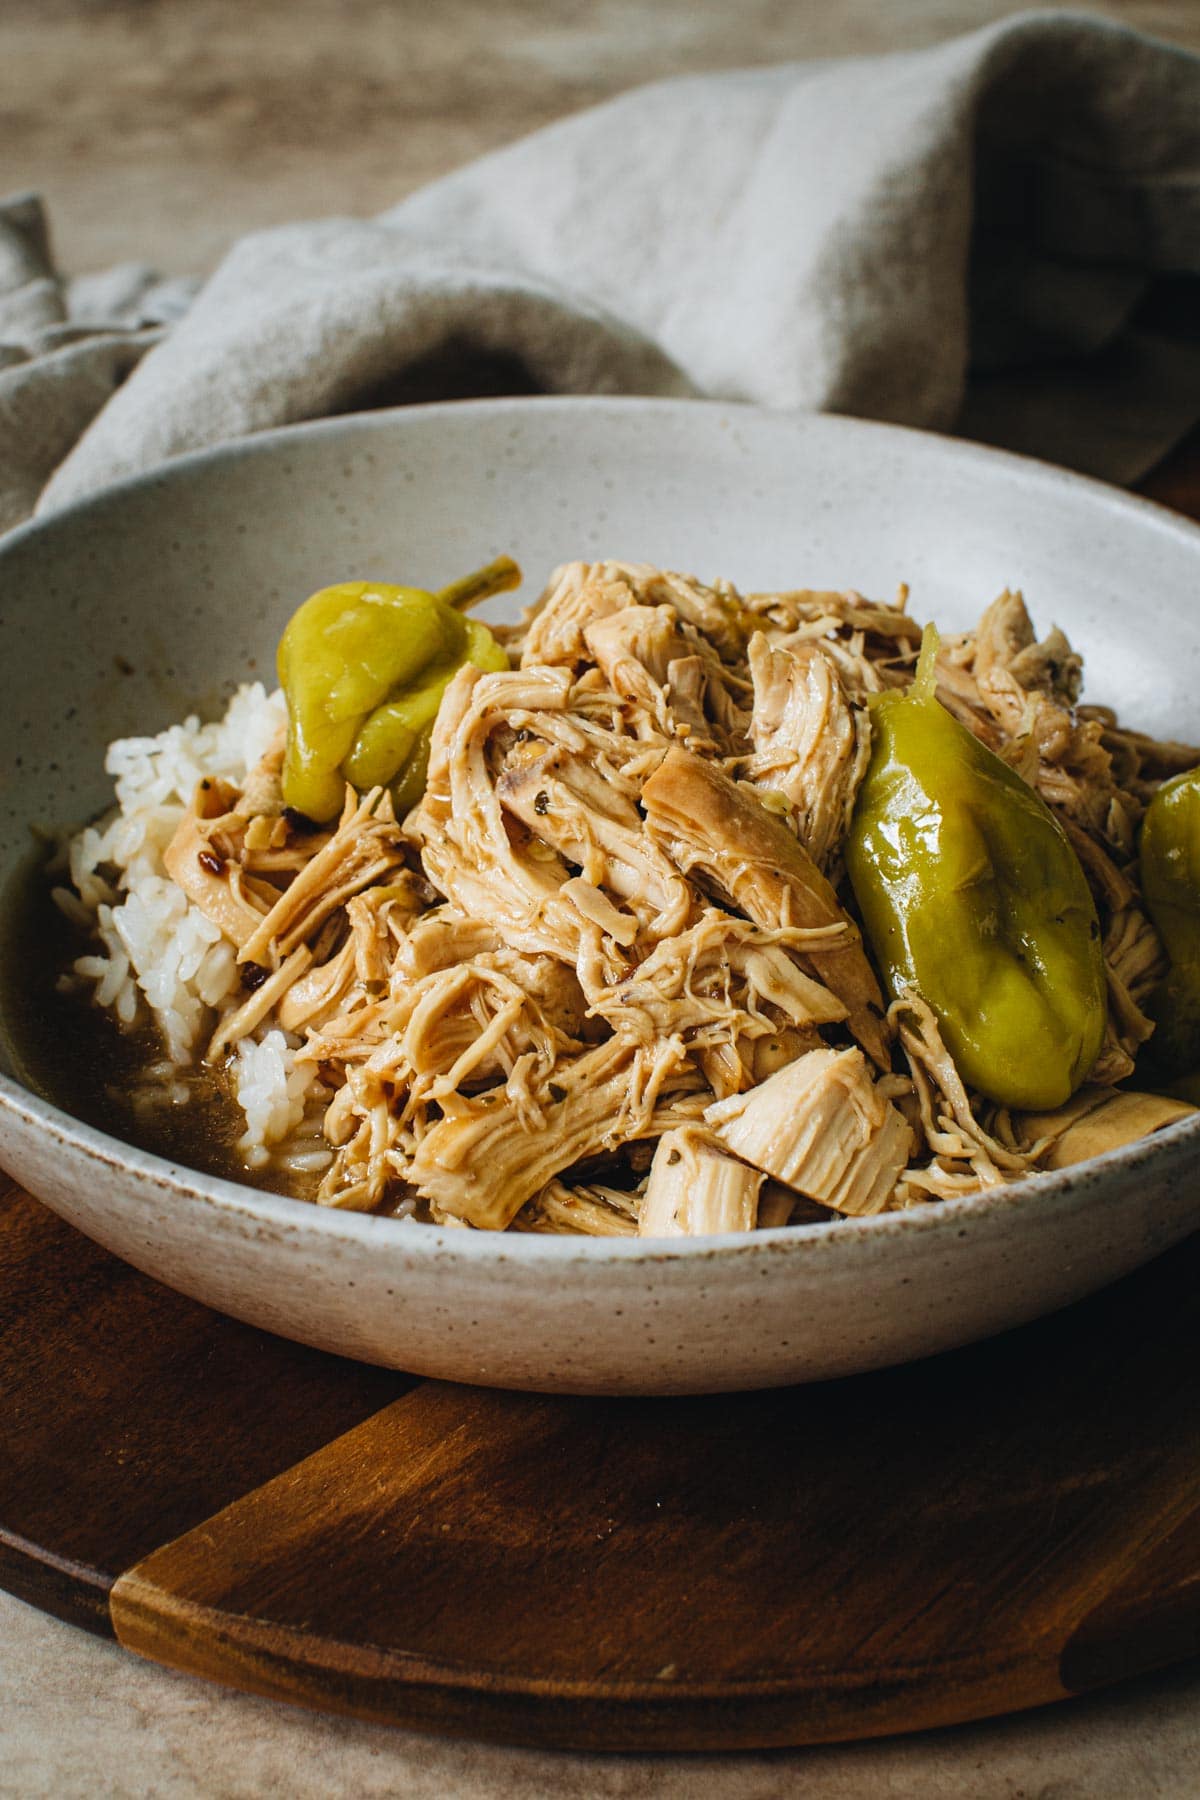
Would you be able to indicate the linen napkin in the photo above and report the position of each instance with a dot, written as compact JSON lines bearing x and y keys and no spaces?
{"x":998,"y":236}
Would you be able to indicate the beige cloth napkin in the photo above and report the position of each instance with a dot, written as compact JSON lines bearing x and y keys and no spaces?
{"x":998,"y":236}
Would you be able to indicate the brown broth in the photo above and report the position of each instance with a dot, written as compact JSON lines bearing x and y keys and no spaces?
{"x":74,"y":1053}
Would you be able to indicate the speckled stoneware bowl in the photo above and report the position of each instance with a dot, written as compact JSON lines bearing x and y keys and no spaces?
{"x":182,"y":581}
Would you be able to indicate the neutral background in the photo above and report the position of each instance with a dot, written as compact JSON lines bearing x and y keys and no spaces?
{"x":161,"y":129}
{"x":158,"y":131}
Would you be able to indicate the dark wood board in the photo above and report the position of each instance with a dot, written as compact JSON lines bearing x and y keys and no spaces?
{"x":985,"y":1531}
{"x":994,"y":1529}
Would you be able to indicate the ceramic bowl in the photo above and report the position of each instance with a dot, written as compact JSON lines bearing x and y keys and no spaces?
{"x":156,"y":597}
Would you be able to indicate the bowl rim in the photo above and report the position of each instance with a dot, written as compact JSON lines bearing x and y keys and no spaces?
{"x":924,"y":440}
{"x":285,"y":1214}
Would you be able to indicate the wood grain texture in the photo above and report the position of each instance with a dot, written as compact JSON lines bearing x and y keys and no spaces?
{"x":129,"y":1414}
{"x":900,"y":1550}
{"x":1150,"y":1618}
{"x":985,"y":1531}
{"x":1175,"y":482}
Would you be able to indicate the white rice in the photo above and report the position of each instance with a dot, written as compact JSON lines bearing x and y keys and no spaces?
{"x":154,"y":947}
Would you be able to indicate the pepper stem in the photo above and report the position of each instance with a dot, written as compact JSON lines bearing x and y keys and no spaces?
{"x":497,"y":578}
{"x":924,"y":685}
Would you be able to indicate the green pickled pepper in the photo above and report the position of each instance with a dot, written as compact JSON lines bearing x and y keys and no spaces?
{"x":971,"y":894}
{"x":363,"y":666}
{"x":1170,"y":869}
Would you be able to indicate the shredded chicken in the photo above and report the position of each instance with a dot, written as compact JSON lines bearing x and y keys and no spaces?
{"x":1095,"y":1120}
{"x":591,"y":1210}
{"x":482,"y":1162}
{"x":822,"y":1125}
{"x":963,"y":1154}
{"x":606,"y":977}
{"x":712,"y":829}
{"x":810,"y":744}
{"x":696,"y":1189}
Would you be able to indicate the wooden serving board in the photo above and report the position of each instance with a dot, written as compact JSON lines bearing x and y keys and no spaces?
{"x":990,"y":1530}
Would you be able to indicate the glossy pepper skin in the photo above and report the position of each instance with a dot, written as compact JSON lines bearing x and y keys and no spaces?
{"x":1170,"y":868}
{"x":363,"y":666}
{"x":971,"y":894}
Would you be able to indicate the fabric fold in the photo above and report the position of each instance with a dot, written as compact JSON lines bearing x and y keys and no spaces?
{"x":970,"y":237}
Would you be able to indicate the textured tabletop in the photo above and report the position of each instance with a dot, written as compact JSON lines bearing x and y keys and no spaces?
{"x":80,"y":1718}
{"x":160,"y":130}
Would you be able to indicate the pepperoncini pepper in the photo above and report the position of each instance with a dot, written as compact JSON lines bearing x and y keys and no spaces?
{"x":971,"y":893}
{"x":363,"y":667}
{"x":1170,"y":867}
